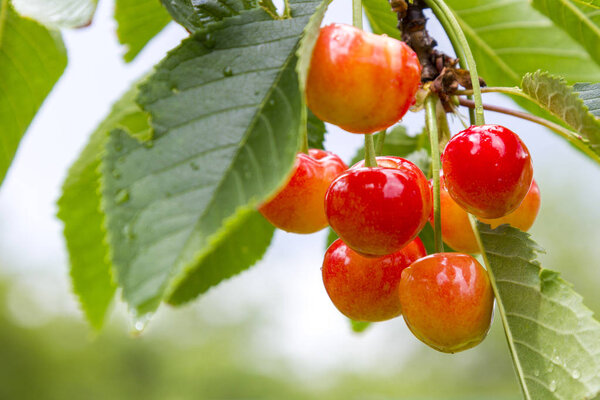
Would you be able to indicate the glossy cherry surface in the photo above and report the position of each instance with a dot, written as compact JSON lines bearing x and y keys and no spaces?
{"x":360,"y":81}
{"x":366,"y":288}
{"x":298,"y":206}
{"x":487,"y":170}
{"x":447,"y":301}
{"x":377,"y":211}
{"x":456,"y":228}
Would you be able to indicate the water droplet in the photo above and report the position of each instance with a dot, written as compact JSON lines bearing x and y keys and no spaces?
{"x":576,"y":374}
{"x":194,"y":166}
{"x":128,"y":231}
{"x":556,"y":360}
{"x":140,"y":323}
{"x":536,"y":372}
{"x":116,"y":174}
{"x":227,"y":71}
{"x":271,"y":102}
{"x":122,"y":196}
{"x":209,"y":41}
{"x":552,"y":386}
{"x":550,"y":368}
{"x":149,"y":144}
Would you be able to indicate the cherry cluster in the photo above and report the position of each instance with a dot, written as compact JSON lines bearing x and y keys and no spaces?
{"x":378,"y":269}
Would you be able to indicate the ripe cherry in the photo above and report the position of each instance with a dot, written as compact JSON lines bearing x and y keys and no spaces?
{"x":298,"y":206}
{"x":447,"y":301}
{"x":456,"y":229}
{"x":487,"y":170}
{"x":377,"y":211}
{"x":366,"y":288}
{"x":360,"y":81}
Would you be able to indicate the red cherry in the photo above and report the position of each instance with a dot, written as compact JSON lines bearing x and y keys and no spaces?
{"x":360,"y":81}
{"x":488,"y":170}
{"x":456,"y":228}
{"x":447,"y":301}
{"x":366,"y":289}
{"x":298,"y":206}
{"x":378,"y":211}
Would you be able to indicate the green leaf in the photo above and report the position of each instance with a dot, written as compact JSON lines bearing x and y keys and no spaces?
{"x":227,"y":126}
{"x":331,"y":237}
{"x":359,"y":326}
{"x":194,"y":15}
{"x":32,"y":59}
{"x":244,"y":245}
{"x":79,"y":209}
{"x":554,"y":95}
{"x":381,"y":18}
{"x":138,"y":21}
{"x":580,"y":21}
{"x":316,"y":131}
{"x":57,"y":14}
{"x":590,"y":94}
{"x":510,"y":39}
{"x":553,"y":337}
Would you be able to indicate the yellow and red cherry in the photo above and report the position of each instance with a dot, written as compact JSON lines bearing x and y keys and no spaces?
{"x":447,"y":301}
{"x":487,"y":170}
{"x":298,"y":206}
{"x":360,"y":81}
{"x":456,"y":228}
{"x":366,"y":288}
{"x":379,"y":210}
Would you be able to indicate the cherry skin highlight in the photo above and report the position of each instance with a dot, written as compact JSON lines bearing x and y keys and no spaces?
{"x":456,"y":228}
{"x":377,"y":211}
{"x":487,"y":170}
{"x":447,"y":301}
{"x":360,"y":81}
{"x":298,"y":206}
{"x":366,"y":288}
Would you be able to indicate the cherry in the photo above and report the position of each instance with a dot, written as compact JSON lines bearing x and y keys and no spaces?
{"x":456,"y":229}
{"x":366,"y":288}
{"x":360,"y":81}
{"x":487,"y":170}
{"x":447,"y":301}
{"x":377,"y":211}
{"x":298,"y":206}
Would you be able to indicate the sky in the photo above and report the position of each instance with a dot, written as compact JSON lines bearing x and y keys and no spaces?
{"x":286,"y":285}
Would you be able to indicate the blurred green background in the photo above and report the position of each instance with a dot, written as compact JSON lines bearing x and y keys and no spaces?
{"x":270,"y":333}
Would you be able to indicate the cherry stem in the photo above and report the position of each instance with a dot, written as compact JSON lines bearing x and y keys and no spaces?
{"x":357,"y":14}
{"x":572,"y":137}
{"x":380,"y":142}
{"x":304,"y":148}
{"x":370,"y":160}
{"x":461,"y":46}
{"x":430,"y":115}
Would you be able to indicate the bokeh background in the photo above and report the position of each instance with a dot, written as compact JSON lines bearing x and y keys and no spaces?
{"x":269,"y":333}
